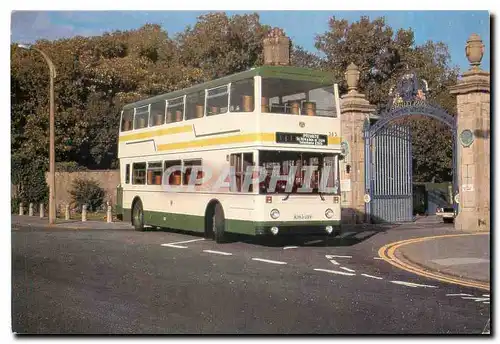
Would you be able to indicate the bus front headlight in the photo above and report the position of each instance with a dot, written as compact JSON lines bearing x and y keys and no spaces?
{"x":329,"y":213}
{"x":275,"y":213}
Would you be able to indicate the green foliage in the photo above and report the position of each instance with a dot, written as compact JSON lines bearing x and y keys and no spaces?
{"x":14,"y":205}
{"x":69,"y":166}
{"x":383,"y":56}
{"x":87,"y":191}
{"x":29,"y":177}
{"x":97,"y":75}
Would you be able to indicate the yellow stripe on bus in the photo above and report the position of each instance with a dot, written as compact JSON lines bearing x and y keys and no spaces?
{"x":242,"y":138}
{"x":159,"y":132}
{"x":334,"y":140}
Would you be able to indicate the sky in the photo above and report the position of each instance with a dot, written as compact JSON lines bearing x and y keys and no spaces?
{"x":450,"y":27}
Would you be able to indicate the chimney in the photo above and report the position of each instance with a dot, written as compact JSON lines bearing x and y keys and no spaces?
{"x":276,"y":48}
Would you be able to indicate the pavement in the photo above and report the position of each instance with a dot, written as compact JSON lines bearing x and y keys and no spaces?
{"x":459,"y":258}
{"x":119,"y":281}
{"x":464,"y":256}
{"x":38,"y":222}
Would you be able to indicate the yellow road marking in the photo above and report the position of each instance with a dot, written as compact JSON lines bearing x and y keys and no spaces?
{"x":387,"y":253}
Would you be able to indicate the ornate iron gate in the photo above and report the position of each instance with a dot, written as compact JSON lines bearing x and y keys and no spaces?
{"x":388,"y":152}
{"x":389,"y":174}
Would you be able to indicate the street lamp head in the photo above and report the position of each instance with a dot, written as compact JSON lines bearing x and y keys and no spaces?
{"x":24,"y":46}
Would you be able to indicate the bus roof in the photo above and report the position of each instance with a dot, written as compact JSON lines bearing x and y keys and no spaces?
{"x":282,"y":72}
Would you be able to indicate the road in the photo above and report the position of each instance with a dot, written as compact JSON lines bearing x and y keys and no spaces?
{"x":161,"y":282}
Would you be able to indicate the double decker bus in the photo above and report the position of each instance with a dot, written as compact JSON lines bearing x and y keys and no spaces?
{"x":175,"y":148}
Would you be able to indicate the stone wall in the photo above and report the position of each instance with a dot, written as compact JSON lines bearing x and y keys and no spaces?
{"x":107,"y":179}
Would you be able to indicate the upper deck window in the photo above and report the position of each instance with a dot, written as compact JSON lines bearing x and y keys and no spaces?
{"x":297,"y":97}
{"x":127,"y":119}
{"x":157,"y":113}
{"x":141,"y":117}
{"x":175,"y":109}
{"x":195,"y":105}
{"x":217,"y":100}
{"x":242,"y":96}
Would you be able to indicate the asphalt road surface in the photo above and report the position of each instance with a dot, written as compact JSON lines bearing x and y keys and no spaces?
{"x":160,"y":282}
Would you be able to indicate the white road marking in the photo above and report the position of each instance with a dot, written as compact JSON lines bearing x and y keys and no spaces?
{"x":476,"y":298}
{"x":414,"y":285}
{"x":218,"y":252}
{"x":171,"y":245}
{"x":487,"y":302}
{"x":366,"y":275}
{"x":269,"y":261}
{"x":334,"y":262}
{"x":183,"y":242}
{"x":289,"y":247}
{"x":335,"y":272}
{"x":313,"y":242}
{"x":329,"y":256}
{"x":486,"y":295}
{"x":486,"y":329}
{"x":343,"y":235}
{"x":458,"y":294}
{"x":347,"y":269}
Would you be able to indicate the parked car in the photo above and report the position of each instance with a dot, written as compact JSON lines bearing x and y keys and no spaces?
{"x":447,"y":213}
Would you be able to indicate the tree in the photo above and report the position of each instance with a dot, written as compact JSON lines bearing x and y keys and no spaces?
{"x":98,"y":75}
{"x":383,"y":57}
{"x":302,"y":58}
{"x":220,"y":45}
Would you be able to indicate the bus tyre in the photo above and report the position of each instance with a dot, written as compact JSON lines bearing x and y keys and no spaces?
{"x":219,"y":224}
{"x":138,"y":216}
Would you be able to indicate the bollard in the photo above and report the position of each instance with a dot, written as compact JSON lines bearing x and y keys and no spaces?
{"x":41,"y":210}
{"x":21,"y":209}
{"x":109,"y":217}
{"x":66,"y":216}
{"x":30,"y":210}
{"x":84,"y":213}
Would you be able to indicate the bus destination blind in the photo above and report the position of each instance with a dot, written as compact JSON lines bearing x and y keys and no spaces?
{"x":302,"y":139}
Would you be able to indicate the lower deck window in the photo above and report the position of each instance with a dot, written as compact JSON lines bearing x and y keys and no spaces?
{"x":139,"y":173}
{"x":155,"y":173}
{"x":190,"y":167}
{"x":127,"y":174}
{"x":281,"y":165}
{"x":173,"y":172}
{"x":240,"y":163}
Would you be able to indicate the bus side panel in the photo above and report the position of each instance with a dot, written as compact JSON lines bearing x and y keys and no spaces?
{"x":186,"y":222}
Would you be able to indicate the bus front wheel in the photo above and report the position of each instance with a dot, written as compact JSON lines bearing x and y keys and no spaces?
{"x":138,"y":216}
{"x":219,"y":224}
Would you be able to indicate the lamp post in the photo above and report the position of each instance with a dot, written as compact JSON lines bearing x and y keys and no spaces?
{"x":52,"y":158}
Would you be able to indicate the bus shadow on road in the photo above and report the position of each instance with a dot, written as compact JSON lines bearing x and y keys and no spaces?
{"x":305,"y":240}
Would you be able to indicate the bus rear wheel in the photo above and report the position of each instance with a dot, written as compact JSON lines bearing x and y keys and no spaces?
{"x":138,"y":216}
{"x":219,"y":224}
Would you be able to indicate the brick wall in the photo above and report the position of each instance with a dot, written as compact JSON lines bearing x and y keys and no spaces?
{"x":107,"y":179}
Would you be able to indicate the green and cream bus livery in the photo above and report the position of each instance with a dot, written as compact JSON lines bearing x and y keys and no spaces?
{"x":255,"y":153}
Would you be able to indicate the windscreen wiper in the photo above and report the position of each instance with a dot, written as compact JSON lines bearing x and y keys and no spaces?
{"x":321,"y":196}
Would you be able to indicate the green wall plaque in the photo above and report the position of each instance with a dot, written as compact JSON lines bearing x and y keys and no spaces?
{"x":466,"y":137}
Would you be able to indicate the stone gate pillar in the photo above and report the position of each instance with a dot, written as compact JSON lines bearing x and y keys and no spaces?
{"x":354,"y":109}
{"x":473,"y":146}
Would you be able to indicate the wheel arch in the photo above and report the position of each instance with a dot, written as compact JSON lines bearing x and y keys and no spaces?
{"x":209,"y":210}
